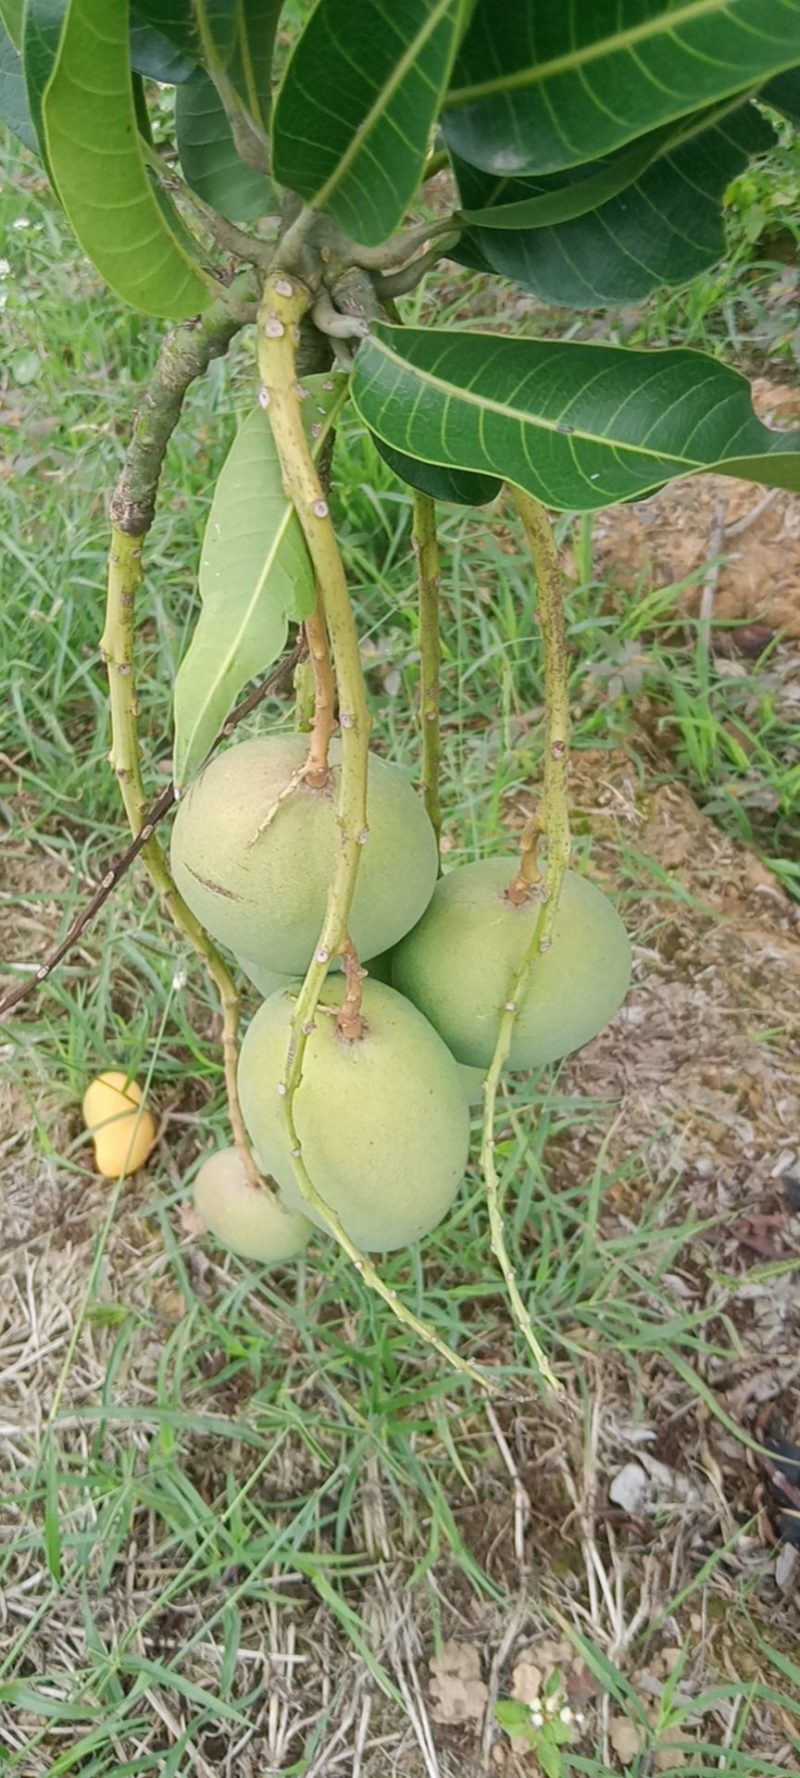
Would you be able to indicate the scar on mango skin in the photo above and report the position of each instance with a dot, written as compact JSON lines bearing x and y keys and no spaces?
{"x":216,"y":888}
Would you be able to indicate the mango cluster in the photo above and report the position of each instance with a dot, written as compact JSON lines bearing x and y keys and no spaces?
{"x":382,"y":1121}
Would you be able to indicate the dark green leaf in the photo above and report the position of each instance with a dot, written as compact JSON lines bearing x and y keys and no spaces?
{"x":357,"y":104}
{"x":140,"y":107}
{"x":175,"y":20}
{"x":578,"y":426}
{"x":664,"y":228}
{"x":208,"y":153}
{"x":784,"y":94}
{"x":541,"y":203}
{"x":255,"y":575}
{"x":155,"y":57}
{"x":251,"y":68}
{"x":539,"y":87}
{"x":218,"y":24}
{"x":43,"y":23}
{"x":13,"y":101}
{"x":11,"y":20}
{"x":456,"y":485}
{"x":128,"y":230}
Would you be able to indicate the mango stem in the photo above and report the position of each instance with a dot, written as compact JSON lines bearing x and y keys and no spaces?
{"x":555,"y":826}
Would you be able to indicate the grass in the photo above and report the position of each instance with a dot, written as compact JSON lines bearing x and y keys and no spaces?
{"x":241,"y":1509}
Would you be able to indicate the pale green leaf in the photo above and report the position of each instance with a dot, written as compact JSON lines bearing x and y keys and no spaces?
{"x":11,"y":19}
{"x":255,"y":575}
{"x":97,"y":166}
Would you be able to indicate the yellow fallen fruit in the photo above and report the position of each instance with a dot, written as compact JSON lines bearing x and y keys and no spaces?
{"x":122,"y":1129}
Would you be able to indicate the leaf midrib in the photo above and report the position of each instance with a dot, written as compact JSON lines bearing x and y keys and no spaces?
{"x":592,"y":52}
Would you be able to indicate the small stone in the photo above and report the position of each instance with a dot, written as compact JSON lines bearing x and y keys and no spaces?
{"x":526,"y":1682}
{"x":629,"y":1488}
{"x":786,"y":1568}
{"x":670,"y":1757}
{"x":626,"y":1739}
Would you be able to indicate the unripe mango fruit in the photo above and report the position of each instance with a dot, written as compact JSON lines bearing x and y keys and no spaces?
{"x":250,"y":1222}
{"x":269,"y":981}
{"x":122,"y":1133}
{"x":472,"y":1080}
{"x":264,"y":894}
{"x":383,"y":1121}
{"x":458,"y":966}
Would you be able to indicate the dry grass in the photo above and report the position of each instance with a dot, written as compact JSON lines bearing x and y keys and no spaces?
{"x":129,"y":1465}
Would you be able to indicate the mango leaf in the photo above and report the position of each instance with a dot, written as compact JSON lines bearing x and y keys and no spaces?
{"x":174,"y":19}
{"x":209,"y":160}
{"x":456,"y":485}
{"x":663,"y":227}
{"x":235,"y":36}
{"x":357,"y":104}
{"x":13,"y":101}
{"x":578,"y":426}
{"x":251,"y":66}
{"x":217,"y":26}
{"x":255,"y":575}
{"x":11,"y":20}
{"x":143,"y":124}
{"x":43,"y":23}
{"x":177,"y":21}
{"x":94,"y":152}
{"x":504,"y":203}
{"x":538,"y":87}
{"x":155,"y":57}
{"x":784,"y":94}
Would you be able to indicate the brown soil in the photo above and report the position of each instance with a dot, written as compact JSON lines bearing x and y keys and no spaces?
{"x":667,"y":540}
